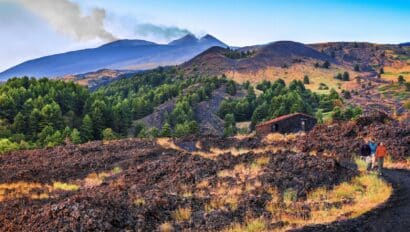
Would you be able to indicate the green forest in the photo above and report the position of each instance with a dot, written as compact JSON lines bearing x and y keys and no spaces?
{"x":44,"y":113}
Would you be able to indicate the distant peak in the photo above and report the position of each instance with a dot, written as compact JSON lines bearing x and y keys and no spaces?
{"x":188,"y":38}
{"x":211,"y":39}
{"x":208,"y":36}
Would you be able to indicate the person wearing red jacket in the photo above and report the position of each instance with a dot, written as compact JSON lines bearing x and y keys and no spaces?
{"x":381,"y":152}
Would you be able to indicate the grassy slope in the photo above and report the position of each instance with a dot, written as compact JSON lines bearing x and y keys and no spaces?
{"x":297,"y":72}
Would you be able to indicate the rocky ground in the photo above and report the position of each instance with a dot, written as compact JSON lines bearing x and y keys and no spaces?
{"x":187,"y":184}
{"x":138,"y":185}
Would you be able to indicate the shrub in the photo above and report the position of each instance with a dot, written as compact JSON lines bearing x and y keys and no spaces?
{"x":289,"y":195}
{"x":182,"y":214}
{"x":306,"y":80}
{"x":407,"y":84}
{"x":6,"y":146}
{"x":108,"y":134}
{"x":401,"y":80}
{"x":346,"y":76}
{"x":326,"y":65}
{"x":75,"y":136}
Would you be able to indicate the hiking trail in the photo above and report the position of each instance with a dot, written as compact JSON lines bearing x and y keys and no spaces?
{"x":394,"y":215}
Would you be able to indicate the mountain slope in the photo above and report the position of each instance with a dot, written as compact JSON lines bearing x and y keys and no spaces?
{"x":282,"y":59}
{"x":122,"y":54}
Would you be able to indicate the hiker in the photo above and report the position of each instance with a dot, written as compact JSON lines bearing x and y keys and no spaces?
{"x":381,"y":152}
{"x":365,"y":152}
{"x":373,"y":147}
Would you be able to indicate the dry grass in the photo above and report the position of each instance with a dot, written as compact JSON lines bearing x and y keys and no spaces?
{"x":391,"y":73}
{"x":391,"y":164}
{"x":346,"y":200}
{"x":252,"y":225}
{"x":361,"y":164}
{"x":96,"y":179}
{"x":139,"y":201}
{"x":277,"y":137}
{"x":296,"y":72}
{"x":182,"y":214}
{"x":365,"y":192}
{"x":35,"y":191}
{"x":289,"y":195}
{"x":167,"y":143}
{"x":225,"y":195}
{"x":24,"y":189}
{"x":65,"y":186}
{"x":166,"y":227}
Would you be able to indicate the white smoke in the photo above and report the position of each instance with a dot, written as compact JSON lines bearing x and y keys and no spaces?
{"x":66,"y":17}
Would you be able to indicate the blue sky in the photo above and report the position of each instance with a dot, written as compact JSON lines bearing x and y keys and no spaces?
{"x":30,"y":29}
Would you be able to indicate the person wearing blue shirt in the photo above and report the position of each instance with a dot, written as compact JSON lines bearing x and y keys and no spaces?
{"x":373,"y":147}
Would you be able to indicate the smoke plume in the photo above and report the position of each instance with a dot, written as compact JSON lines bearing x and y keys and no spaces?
{"x":66,"y":17}
{"x":164,"y":32}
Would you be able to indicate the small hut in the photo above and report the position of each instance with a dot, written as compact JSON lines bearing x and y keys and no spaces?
{"x":290,"y":123}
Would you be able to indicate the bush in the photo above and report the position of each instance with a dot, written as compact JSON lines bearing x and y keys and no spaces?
{"x":407,"y":84}
{"x":229,"y":127}
{"x":166,"y":130}
{"x":346,"y":76}
{"x":401,"y":80}
{"x":346,"y":94}
{"x":6,"y":146}
{"x":326,"y":65}
{"x":323,"y":86}
{"x":108,"y":134}
{"x":75,"y":136}
{"x":306,"y":80}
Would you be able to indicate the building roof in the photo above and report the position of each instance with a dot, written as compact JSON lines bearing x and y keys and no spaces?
{"x":283,"y":117}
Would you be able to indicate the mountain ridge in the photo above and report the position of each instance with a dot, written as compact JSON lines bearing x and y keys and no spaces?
{"x":119,"y":55}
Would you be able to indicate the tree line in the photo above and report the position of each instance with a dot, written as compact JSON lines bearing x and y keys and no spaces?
{"x":41,"y":112}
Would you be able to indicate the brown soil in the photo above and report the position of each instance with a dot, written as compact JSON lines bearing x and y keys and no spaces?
{"x":151,"y":184}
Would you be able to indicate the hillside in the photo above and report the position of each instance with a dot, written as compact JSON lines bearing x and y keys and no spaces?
{"x":121,"y":54}
{"x":284,"y":59}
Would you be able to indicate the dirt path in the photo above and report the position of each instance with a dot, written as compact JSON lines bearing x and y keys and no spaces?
{"x":392,"y":216}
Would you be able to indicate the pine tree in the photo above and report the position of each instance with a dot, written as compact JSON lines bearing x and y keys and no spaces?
{"x":108,"y":134}
{"x":306,"y":80}
{"x":346,"y":76}
{"x":19,"y":124}
{"x":87,"y":128}
{"x":98,"y":118}
{"x":75,"y":136}
{"x":229,"y":126}
{"x":166,"y":130}
{"x":401,"y":80}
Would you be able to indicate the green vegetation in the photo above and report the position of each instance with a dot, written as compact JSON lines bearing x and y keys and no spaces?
{"x":325,"y":65}
{"x":45,"y":113}
{"x":277,"y":99}
{"x":346,"y":114}
{"x":235,"y":54}
{"x":323,"y":86}
{"x":343,"y":77}
{"x":401,"y":80}
{"x":306,"y":80}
